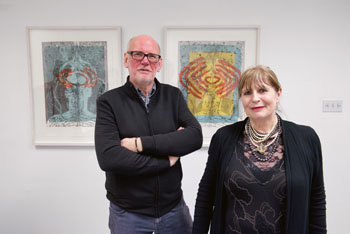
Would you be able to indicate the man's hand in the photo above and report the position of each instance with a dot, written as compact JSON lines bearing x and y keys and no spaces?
{"x":173,"y":159}
{"x":130,"y":144}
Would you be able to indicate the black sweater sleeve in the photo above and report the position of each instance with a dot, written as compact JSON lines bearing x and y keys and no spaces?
{"x":177,"y":143}
{"x":112,"y":157}
{"x":207,"y":187}
{"x":317,"y":218}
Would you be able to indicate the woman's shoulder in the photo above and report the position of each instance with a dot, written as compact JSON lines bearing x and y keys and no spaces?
{"x":302,"y":131}
{"x":224,"y":138}
{"x":294,"y":126}
{"x":230,"y":130}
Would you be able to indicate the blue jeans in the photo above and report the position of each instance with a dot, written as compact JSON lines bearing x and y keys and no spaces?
{"x":176,"y":221}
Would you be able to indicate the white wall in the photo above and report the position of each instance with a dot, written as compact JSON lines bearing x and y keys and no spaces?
{"x":60,"y":190}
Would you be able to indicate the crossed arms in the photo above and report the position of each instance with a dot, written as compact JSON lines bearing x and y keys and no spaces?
{"x":119,"y":155}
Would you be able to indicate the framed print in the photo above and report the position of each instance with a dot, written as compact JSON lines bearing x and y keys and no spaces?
{"x":69,"y":69}
{"x":206,"y":64}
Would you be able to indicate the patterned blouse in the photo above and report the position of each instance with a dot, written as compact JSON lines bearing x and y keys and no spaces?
{"x":255,"y":191}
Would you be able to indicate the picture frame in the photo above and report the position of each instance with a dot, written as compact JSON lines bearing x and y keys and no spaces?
{"x":206,"y":62}
{"x":69,"y":68}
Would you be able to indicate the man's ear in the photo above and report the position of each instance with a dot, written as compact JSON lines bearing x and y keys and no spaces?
{"x":126,"y":60}
{"x":160,"y":64}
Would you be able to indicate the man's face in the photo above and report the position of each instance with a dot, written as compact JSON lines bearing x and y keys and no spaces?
{"x":142,"y":72}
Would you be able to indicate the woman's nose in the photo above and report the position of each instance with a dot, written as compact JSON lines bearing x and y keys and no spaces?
{"x":255,"y":97}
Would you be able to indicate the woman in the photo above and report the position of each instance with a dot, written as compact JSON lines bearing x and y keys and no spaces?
{"x":264,"y":174}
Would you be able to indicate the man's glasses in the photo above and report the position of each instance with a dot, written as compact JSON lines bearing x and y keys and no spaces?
{"x":138,"y":55}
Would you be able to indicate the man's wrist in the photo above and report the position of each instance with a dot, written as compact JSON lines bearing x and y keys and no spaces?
{"x":139,"y":144}
{"x":136,"y":146}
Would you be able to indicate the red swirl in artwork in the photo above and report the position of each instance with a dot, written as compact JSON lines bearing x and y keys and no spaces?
{"x":196,"y":77}
{"x":86,"y":77}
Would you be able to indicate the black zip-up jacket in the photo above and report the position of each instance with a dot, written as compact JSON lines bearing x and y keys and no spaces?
{"x":144,"y":183}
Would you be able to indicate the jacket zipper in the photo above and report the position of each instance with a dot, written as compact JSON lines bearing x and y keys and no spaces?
{"x":157,"y":190}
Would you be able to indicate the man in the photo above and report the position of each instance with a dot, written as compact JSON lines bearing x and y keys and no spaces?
{"x":141,"y":130}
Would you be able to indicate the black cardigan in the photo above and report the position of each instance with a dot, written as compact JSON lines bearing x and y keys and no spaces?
{"x":144,"y":183}
{"x":305,"y":201}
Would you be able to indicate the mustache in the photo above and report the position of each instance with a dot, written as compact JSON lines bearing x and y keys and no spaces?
{"x":144,"y":68}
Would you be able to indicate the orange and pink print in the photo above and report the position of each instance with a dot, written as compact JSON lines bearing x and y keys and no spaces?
{"x":208,"y":79}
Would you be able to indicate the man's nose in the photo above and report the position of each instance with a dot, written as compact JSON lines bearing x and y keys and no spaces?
{"x":145,"y":60}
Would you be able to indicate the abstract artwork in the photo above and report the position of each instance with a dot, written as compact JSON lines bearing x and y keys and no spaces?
{"x":75,"y":76}
{"x":208,"y":79}
{"x":69,"y":69}
{"x":206,"y":64}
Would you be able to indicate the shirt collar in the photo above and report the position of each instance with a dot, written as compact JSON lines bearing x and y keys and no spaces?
{"x":139,"y":91}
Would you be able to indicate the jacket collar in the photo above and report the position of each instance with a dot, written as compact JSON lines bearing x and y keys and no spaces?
{"x":131,"y":87}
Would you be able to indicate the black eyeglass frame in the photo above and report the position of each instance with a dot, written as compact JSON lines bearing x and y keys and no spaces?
{"x":144,"y":55}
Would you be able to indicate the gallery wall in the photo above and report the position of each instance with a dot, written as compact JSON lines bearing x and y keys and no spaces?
{"x":60,"y":190}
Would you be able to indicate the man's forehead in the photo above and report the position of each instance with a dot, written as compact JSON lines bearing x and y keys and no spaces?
{"x":144,"y":42}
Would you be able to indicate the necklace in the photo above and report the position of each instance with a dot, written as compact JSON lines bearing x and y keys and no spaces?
{"x":259,"y":136}
{"x":261,"y":148}
{"x":255,"y":137}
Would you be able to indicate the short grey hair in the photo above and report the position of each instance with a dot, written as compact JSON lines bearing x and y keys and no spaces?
{"x":127,"y":46}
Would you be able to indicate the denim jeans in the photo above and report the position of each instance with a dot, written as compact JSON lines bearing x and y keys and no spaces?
{"x":176,"y":221}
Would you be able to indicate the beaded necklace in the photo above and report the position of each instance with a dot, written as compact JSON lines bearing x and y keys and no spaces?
{"x":255,"y":137}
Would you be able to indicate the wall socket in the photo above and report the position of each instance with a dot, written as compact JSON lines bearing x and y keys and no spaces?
{"x":332,"y":105}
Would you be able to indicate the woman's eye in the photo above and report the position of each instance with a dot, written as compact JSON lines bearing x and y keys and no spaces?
{"x":246,"y":93}
{"x":262,"y":90}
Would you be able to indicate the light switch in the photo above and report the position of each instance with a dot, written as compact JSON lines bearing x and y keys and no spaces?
{"x":332,"y":105}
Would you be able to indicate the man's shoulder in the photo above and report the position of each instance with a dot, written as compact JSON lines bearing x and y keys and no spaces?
{"x":112,"y":93}
{"x":167,"y":86}
{"x":168,"y":90}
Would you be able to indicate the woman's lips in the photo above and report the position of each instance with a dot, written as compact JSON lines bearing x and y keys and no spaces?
{"x":257,"y":108}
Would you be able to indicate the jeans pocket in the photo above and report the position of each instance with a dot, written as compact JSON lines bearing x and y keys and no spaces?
{"x":116,"y":209}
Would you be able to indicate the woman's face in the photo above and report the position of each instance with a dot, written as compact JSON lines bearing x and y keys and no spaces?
{"x":260,"y":101}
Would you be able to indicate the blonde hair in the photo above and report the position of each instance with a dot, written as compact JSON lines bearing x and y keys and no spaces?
{"x":260,"y":74}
